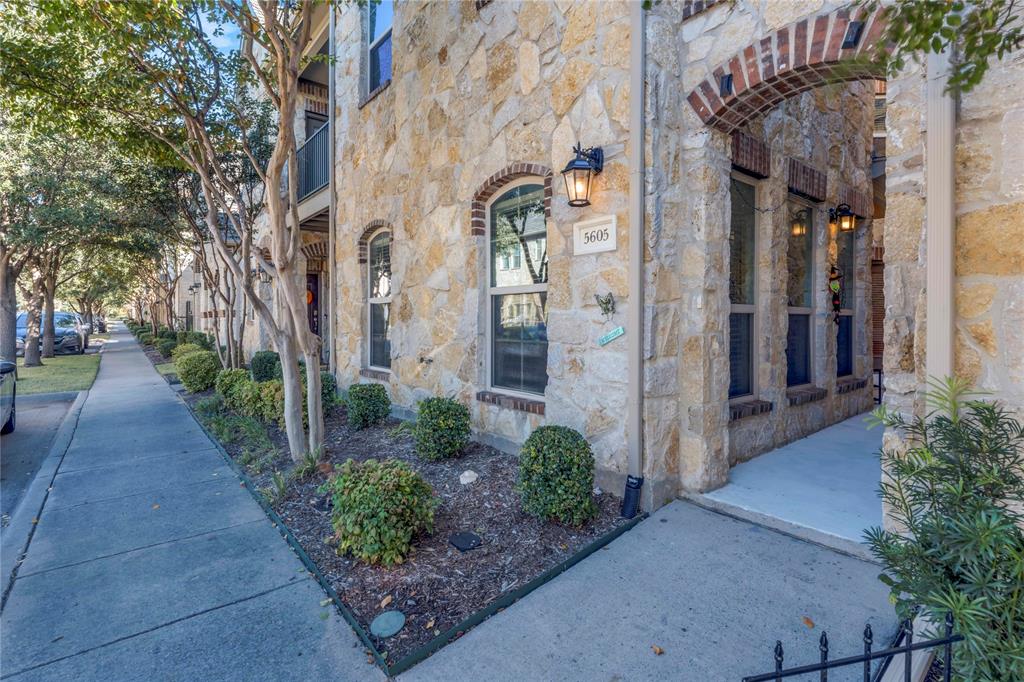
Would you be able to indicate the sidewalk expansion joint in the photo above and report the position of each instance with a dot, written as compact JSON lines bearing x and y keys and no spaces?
{"x":147,"y":491}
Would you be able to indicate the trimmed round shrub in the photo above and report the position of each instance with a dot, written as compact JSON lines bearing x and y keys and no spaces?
{"x":185,"y":349}
{"x":367,"y":404}
{"x":198,"y":338}
{"x":146,"y":338}
{"x":198,"y":371}
{"x":379,"y":508}
{"x":442,"y":428}
{"x":556,"y":475}
{"x":328,"y":389}
{"x":228,"y":380}
{"x":272,"y":401}
{"x":264,"y":365}
{"x":166,"y":347}
{"x":168,"y":334}
{"x":246,"y":399}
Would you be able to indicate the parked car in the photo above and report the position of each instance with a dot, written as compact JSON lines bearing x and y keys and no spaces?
{"x":8,"y":389}
{"x":71,"y":334}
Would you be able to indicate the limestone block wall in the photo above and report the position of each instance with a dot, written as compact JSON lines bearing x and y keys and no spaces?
{"x":473,"y":93}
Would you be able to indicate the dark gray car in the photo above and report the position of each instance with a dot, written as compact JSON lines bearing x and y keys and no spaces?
{"x":8,"y":389}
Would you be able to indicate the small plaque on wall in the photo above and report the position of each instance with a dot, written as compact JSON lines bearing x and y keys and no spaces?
{"x":593,"y":236}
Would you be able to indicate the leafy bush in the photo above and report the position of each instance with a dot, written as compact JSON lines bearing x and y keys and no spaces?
{"x":246,"y":399}
{"x":272,"y":401}
{"x":204,"y":341}
{"x":146,"y":339}
{"x":264,"y":365}
{"x":208,"y":407}
{"x":166,"y":333}
{"x":198,"y":371}
{"x":556,"y":475}
{"x":328,"y":389}
{"x":367,"y":404}
{"x":228,"y":381}
{"x":442,"y":428}
{"x":166,"y":346}
{"x":182,"y":337}
{"x":955,"y":493}
{"x":379,"y":507}
{"x":185,"y":349}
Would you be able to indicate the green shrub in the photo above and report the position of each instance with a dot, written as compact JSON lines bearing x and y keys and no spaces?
{"x":198,"y":371}
{"x":556,"y":475}
{"x":146,"y":339}
{"x":264,"y":365}
{"x":185,"y":349}
{"x":328,"y":390}
{"x":181,"y":337}
{"x":168,"y":334}
{"x":246,"y":399}
{"x":379,"y":507}
{"x":955,"y":493}
{"x":166,"y":347}
{"x":198,"y":338}
{"x":272,"y":401}
{"x":442,"y":428}
{"x":208,"y":407}
{"x":228,"y":380}
{"x":367,"y":404}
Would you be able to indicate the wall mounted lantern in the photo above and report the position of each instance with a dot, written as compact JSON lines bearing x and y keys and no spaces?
{"x":843,"y":216}
{"x":579,"y":174}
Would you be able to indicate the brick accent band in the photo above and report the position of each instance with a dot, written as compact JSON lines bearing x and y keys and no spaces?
{"x":749,"y":408}
{"x":849,"y":385}
{"x":375,"y":374}
{"x":860,"y":203}
{"x":511,"y":402}
{"x":751,"y":155}
{"x":478,"y":209}
{"x":806,"y":181}
{"x":802,"y":396}
{"x":690,"y":7}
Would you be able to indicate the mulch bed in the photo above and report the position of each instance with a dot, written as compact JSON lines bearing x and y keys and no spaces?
{"x":438,"y":586}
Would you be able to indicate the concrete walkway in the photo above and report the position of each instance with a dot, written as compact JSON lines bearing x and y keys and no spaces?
{"x":712,"y":592}
{"x":826,"y":482}
{"x":149,"y":561}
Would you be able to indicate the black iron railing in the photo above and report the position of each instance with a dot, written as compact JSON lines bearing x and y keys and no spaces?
{"x":312,"y":162}
{"x":905,"y":647}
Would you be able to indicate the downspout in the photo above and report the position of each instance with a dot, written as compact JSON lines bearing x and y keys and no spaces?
{"x":940,"y":220}
{"x":332,"y":283}
{"x":635,"y":317}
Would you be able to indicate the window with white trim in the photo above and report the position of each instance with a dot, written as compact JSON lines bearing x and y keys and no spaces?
{"x":799,"y":293}
{"x":379,"y":15}
{"x":518,"y":289}
{"x":845,"y":263}
{"x":742,"y":278}
{"x":379,"y":300}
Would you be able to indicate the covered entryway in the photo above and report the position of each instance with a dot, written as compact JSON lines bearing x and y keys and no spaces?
{"x":823,"y":486}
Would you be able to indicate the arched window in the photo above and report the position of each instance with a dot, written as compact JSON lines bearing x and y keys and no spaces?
{"x":517,"y":289}
{"x":378,"y":292}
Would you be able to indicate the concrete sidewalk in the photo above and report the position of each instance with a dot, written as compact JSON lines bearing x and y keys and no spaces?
{"x":150,"y":561}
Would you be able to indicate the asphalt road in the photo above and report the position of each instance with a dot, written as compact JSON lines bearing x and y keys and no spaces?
{"x":23,"y":451}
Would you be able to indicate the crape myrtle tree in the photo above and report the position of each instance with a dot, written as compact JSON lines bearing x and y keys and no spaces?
{"x":153,"y":66}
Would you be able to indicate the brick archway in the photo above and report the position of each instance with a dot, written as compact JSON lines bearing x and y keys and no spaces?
{"x":478,"y":215}
{"x":364,"y":238}
{"x":828,"y":48}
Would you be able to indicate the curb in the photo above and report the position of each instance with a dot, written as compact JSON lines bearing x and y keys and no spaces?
{"x":18,"y":534}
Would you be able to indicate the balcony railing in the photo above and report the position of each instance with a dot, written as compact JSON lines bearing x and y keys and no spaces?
{"x":312,"y":162}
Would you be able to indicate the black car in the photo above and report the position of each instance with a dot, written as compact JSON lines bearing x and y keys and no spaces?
{"x":8,"y":388}
{"x":71,"y":334}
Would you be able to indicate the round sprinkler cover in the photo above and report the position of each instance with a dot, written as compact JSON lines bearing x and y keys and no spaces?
{"x":387,"y":623}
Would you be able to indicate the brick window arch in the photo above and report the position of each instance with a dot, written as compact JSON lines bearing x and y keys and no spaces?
{"x":368,"y":231}
{"x":478,"y":215}
{"x":795,"y":58}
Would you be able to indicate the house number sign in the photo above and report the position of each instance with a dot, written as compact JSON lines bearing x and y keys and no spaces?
{"x":593,"y":236}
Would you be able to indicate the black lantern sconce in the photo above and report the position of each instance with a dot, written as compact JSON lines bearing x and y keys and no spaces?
{"x":843,"y":216}
{"x":579,"y":174}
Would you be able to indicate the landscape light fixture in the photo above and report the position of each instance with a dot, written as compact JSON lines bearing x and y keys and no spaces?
{"x":579,"y":173}
{"x":844,"y":217}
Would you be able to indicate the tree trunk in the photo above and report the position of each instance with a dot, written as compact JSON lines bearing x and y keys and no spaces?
{"x":49,"y":327}
{"x":292,"y":396}
{"x":33,"y":309}
{"x":314,"y":405}
{"x":8,"y":310}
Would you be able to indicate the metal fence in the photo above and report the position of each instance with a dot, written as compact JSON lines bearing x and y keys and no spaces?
{"x":312,"y":162}
{"x":904,"y":647}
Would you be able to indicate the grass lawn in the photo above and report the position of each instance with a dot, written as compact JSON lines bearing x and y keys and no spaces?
{"x":166,"y":368}
{"x":62,"y":373}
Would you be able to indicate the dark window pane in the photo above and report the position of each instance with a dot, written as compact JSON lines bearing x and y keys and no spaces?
{"x":380,"y":344}
{"x":799,"y":258}
{"x":519,"y":352}
{"x":380,"y":63}
{"x":741,"y":243}
{"x":380,"y":266}
{"x":519,"y":235}
{"x":798,"y":350}
{"x":844,"y":346}
{"x":847,"y":269}
{"x":741,"y":360}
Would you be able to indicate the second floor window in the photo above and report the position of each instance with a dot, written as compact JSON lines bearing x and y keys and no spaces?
{"x":379,"y":17}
